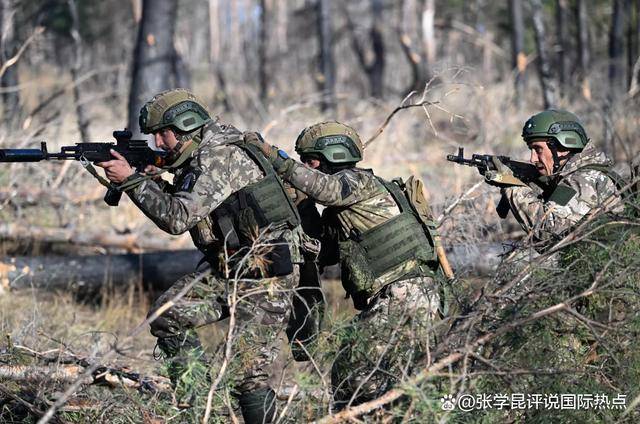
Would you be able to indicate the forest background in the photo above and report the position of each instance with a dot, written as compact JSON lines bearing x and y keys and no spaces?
{"x":416,"y":78}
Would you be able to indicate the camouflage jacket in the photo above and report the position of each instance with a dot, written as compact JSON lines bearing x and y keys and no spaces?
{"x":547,"y":220}
{"x":355,"y":200}
{"x":215,"y":170}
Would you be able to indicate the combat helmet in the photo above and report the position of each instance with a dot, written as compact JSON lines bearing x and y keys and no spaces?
{"x":333,"y":141}
{"x":177,"y":108}
{"x":560,"y":125}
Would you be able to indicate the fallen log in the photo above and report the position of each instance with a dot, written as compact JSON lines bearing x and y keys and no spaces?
{"x":128,"y":242}
{"x":159,"y":270}
{"x":89,"y":274}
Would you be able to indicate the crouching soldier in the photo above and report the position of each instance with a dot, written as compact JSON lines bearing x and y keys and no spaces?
{"x":386,"y":253}
{"x":226,"y":194}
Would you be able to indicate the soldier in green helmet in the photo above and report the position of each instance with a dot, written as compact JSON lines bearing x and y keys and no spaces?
{"x":578,"y":178}
{"x":227,"y":195}
{"x":387,"y":259}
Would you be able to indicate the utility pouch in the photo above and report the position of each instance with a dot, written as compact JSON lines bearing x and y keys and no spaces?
{"x":562,"y":195}
{"x":279,"y":259}
{"x":357,"y":276}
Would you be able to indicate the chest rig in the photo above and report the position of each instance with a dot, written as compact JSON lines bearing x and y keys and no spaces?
{"x":244,"y":215}
{"x":401,"y":247}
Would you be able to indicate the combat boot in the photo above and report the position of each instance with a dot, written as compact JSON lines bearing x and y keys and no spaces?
{"x":258,"y":406}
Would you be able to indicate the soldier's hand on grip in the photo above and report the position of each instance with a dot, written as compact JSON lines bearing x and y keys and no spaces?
{"x":118,"y":169}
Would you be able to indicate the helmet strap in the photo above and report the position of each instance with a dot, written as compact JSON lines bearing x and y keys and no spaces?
{"x":185,"y":141}
{"x":553,"y":146}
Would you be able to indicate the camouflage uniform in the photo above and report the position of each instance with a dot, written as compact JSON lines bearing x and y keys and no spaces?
{"x":214,"y":171}
{"x":546,"y":220}
{"x":396,"y":325}
{"x":308,"y":302}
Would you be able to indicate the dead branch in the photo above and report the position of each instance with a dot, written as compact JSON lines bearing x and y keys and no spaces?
{"x":67,"y":373}
{"x":382,"y":127}
{"x":13,"y":60}
{"x":133,"y":333}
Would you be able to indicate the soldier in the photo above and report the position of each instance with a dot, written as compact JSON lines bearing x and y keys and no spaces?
{"x":227,"y":196}
{"x":386,"y":254}
{"x":578,"y":178}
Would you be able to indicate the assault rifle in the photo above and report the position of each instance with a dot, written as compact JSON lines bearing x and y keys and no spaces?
{"x":137,"y":153}
{"x":524,"y":171}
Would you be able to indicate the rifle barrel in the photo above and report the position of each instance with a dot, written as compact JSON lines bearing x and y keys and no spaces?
{"x":21,"y":155}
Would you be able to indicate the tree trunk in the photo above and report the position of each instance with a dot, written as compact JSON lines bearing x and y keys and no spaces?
{"x":371,"y":59}
{"x":518,"y":58}
{"x":86,"y":275}
{"x":428,"y":31}
{"x":635,"y":74}
{"x":583,"y":47}
{"x":76,"y":66}
{"x":562,"y":23}
{"x":262,"y":53}
{"x":632,"y":41}
{"x":53,"y":235}
{"x":376,"y":67}
{"x":153,"y":56}
{"x":8,"y":48}
{"x":420,"y":70}
{"x":180,"y":71}
{"x":544,"y":67}
{"x":616,"y":50}
{"x":327,"y":64}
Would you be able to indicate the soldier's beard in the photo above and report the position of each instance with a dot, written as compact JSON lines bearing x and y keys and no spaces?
{"x":542,"y":169}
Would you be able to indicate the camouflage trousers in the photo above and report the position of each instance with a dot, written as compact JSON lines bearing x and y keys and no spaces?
{"x":260,"y":313}
{"x":383,"y":342}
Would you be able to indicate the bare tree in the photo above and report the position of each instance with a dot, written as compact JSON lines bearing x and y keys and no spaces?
{"x":427,"y":20}
{"x":8,"y":47}
{"x":154,"y":54}
{"x":371,"y":57}
{"x":616,"y":49}
{"x":215,"y":46}
{"x":81,"y":113}
{"x":544,"y":67}
{"x":632,"y":41}
{"x":563,"y":52}
{"x":518,"y":58}
{"x":414,"y":51}
{"x":262,"y":53}
{"x":583,"y":47}
{"x":327,"y":64}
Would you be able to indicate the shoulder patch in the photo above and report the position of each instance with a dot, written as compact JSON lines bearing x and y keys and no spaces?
{"x":189,"y":180}
{"x":345,"y":187}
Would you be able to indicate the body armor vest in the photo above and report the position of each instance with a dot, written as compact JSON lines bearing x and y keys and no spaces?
{"x":241,"y":218}
{"x":390,"y":246}
{"x":254,"y":207}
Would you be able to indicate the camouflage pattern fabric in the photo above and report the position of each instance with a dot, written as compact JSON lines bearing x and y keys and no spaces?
{"x":215,"y":170}
{"x":261,"y":315}
{"x":308,"y":301}
{"x":383,"y":343}
{"x":546,"y":220}
{"x":384,"y":340}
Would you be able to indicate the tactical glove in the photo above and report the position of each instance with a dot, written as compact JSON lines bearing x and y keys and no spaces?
{"x":502,"y":176}
{"x":277,"y":157}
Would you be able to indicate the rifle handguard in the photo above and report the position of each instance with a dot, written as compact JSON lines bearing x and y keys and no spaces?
{"x":502,"y":180}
